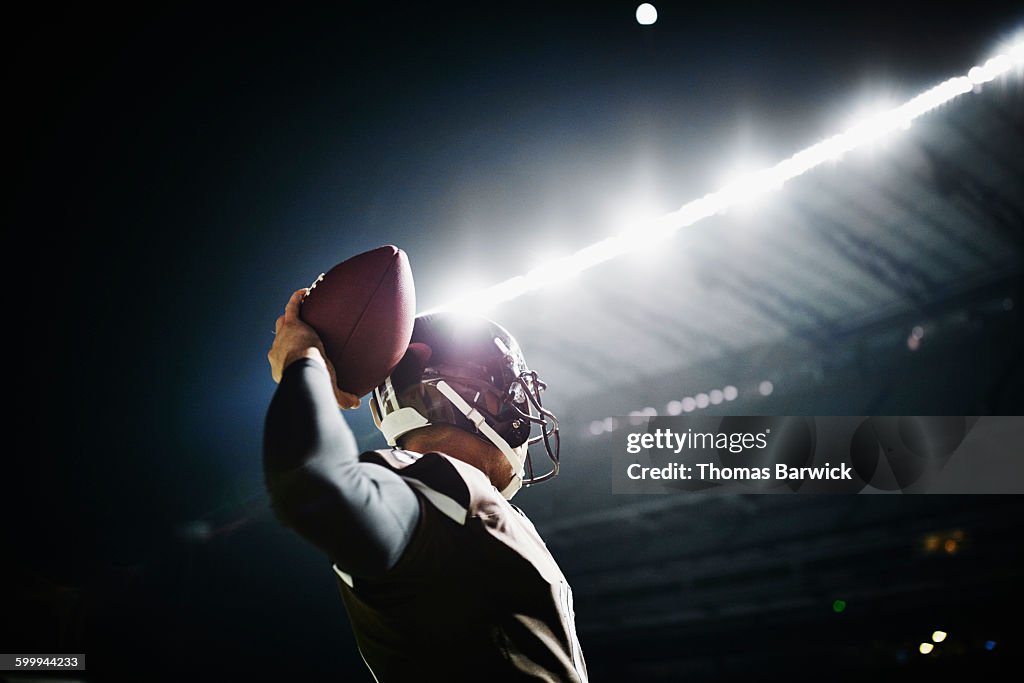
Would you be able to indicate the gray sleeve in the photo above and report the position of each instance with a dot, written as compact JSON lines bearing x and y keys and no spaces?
{"x":362,"y":515}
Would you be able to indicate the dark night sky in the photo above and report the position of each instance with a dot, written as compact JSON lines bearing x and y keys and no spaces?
{"x":180,"y":171}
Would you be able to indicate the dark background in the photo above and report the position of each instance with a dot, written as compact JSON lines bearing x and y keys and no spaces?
{"x":179,"y":170}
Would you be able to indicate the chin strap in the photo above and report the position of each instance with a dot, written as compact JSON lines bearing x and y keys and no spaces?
{"x":403,"y":420}
{"x":516,"y":456}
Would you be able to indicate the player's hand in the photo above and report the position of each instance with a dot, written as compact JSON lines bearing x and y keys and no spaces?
{"x":294,"y":339}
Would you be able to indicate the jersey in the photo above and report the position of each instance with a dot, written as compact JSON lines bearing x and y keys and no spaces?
{"x":476,"y":595}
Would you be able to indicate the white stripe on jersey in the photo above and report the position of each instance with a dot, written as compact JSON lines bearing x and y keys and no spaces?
{"x":448,"y":506}
{"x":347,"y":578}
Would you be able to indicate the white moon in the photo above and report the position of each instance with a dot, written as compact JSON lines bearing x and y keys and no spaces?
{"x":646,"y":14}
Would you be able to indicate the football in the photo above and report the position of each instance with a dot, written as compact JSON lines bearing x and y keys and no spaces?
{"x":363,"y":309}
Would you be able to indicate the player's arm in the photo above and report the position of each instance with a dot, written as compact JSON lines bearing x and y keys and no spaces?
{"x":362,"y":516}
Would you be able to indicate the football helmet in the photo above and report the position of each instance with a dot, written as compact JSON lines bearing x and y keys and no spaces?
{"x":469,"y":372}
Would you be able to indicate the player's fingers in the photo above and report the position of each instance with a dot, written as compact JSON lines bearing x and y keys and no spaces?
{"x":291,"y":309}
{"x":278,"y":323}
{"x":342,"y":398}
{"x":346,"y":400}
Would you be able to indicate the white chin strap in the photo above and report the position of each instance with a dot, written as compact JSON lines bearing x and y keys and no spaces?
{"x":516,"y":456}
{"x":403,"y":420}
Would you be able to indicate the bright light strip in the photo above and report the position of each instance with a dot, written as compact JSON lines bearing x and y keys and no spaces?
{"x":744,"y":189}
{"x":674,"y":407}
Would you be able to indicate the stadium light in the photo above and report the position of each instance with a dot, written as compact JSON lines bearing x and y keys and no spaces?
{"x":687,"y":404}
{"x":646,"y":14}
{"x":745,"y":188}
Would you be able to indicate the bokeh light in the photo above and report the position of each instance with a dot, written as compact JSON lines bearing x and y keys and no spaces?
{"x":646,"y":14}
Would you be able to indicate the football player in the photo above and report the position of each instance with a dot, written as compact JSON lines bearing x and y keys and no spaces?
{"x":443,"y":579}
